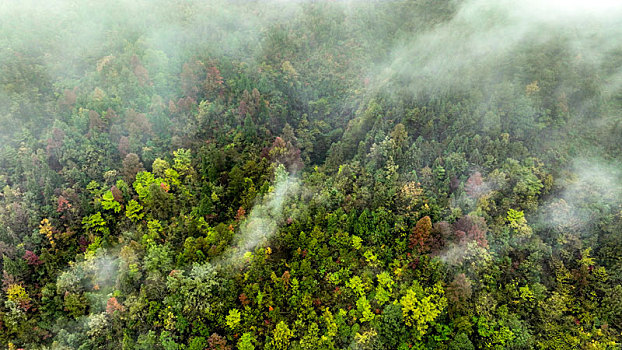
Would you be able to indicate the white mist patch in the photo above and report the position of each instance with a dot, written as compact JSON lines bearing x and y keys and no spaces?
{"x":591,"y":187}
{"x":574,"y":8}
{"x":469,"y":253}
{"x":477,"y":45}
{"x":73,"y":35}
{"x":266,"y":216}
{"x":96,"y":271}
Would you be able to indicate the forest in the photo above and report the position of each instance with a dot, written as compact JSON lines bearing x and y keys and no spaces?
{"x":223,"y":174}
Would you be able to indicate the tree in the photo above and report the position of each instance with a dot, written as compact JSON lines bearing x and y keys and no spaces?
{"x":17,"y":294}
{"x":217,"y":342}
{"x":472,"y":228}
{"x":459,"y":291}
{"x":474,"y":186}
{"x":246,"y":342}
{"x":461,"y":342}
{"x":131,"y":166}
{"x":159,"y":258}
{"x":109,"y":202}
{"x":233,"y":319}
{"x":46,"y":229}
{"x":133,"y":210}
{"x":421,"y":307}
{"x":285,"y":153}
{"x":420,"y":237}
{"x":280,"y":337}
{"x":193,"y":293}
{"x":517,"y":221}
{"x":392,"y":329}
{"x":191,"y":75}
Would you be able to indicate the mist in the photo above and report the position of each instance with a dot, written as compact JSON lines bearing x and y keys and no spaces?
{"x":189,"y":174}
{"x":265,"y":218}
{"x":476,"y":48}
{"x":591,"y":185}
{"x":94,"y":277}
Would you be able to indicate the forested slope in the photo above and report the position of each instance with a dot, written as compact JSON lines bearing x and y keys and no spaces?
{"x":310,"y":175}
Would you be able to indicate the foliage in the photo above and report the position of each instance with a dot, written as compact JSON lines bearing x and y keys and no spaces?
{"x":308,"y":175}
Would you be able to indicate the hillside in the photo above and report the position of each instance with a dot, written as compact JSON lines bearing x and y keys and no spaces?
{"x":310,"y":174}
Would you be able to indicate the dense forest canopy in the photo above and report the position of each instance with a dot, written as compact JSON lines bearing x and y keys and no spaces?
{"x":414,"y":174}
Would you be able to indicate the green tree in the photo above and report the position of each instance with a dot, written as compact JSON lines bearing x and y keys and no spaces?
{"x":246,"y":342}
{"x":281,"y":337}
{"x":421,"y":307}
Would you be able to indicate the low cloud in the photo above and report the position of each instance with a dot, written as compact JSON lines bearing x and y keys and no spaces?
{"x":266,"y":216}
{"x":590,"y":187}
{"x":476,"y":47}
